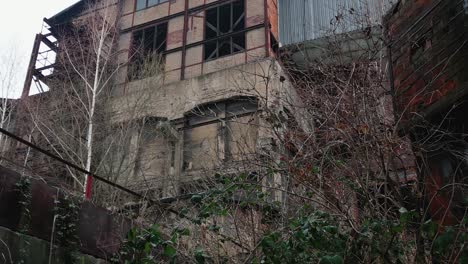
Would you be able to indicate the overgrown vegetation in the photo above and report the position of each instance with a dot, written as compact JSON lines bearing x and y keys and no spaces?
{"x":335,"y":182}
{"x":65,"y":235}
{"x":149,"y":245}
{"x":309,"y":236}
{"x":23,"y":187}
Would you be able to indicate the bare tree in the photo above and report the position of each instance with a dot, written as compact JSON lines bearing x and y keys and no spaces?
{"x":9,"y":73}
{"x":84,"y":118}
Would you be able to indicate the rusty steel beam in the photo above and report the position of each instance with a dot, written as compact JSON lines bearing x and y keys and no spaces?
{"x":31,"y":67}
{"x":49,"y":43}
{"x":39,"y":70}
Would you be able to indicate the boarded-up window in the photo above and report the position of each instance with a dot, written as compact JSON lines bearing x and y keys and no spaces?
{"x":154,"y":157}
{"x":218,"y":132}
{"x":241,"y":137}
{"x":201,"y":147}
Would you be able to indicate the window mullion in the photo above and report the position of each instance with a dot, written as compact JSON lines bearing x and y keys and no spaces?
{"x":218,"y":30}
{"x":155,"y":39}
{"x":231,"y":12}
{"x":231,"y":26}
{"x":143,"y":44}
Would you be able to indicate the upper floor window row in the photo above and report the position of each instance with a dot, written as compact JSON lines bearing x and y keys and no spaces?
{"x":142,"y":4}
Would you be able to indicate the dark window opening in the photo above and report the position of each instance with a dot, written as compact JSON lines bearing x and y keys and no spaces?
{"x":274,"y":43}
{"x":148,"y":46}
{"x":220,"y":21}
{"x":142,"y":4}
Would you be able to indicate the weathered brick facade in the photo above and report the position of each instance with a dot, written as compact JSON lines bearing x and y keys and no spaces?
{"x":428,"y":51}
{"x":427,"y":40}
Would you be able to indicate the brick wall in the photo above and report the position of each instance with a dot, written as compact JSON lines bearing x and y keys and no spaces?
{"x":428,"y":53}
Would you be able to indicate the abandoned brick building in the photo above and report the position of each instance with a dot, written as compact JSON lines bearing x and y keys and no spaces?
{"x":224,"y":94}
{"x":208,"y":109}
{"x":218,"y":76}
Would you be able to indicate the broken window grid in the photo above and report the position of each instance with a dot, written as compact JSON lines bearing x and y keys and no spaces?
{"x":224,"y":20}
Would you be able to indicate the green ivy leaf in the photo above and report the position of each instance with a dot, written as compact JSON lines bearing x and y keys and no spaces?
{"x":196,"y":198}
{"x":169,"y":251}
{"x":200,"y":256}
{"x":147,"y":249}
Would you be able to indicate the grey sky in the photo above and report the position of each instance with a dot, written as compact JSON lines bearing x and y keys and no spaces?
{"x":21,"y":20}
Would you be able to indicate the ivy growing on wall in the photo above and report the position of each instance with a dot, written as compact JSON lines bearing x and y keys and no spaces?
{"x":23,"y":188}
{"x":66,"y":213}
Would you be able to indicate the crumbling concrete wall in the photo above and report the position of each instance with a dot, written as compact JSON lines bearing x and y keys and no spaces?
{"x":220,"y":143}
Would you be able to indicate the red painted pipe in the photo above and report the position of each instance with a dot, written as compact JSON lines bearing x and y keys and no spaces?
{"x":88,"y":187}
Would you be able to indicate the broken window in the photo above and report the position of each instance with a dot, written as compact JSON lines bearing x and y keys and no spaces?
{"x":148,"y":46}
{"x":224,"y":30}
{"x":142,"y":4}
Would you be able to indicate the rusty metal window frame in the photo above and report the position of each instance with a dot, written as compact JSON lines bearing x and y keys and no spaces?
{"x":224,"y":39}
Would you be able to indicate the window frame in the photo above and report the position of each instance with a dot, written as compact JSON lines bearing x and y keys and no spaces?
{"x":217,"y":113}
{"x":229,"y":36}
{"x":147,"y":4}
{"x":133,"y":60}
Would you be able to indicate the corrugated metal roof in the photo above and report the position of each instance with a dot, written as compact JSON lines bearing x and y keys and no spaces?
{"x":302,"y":20}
